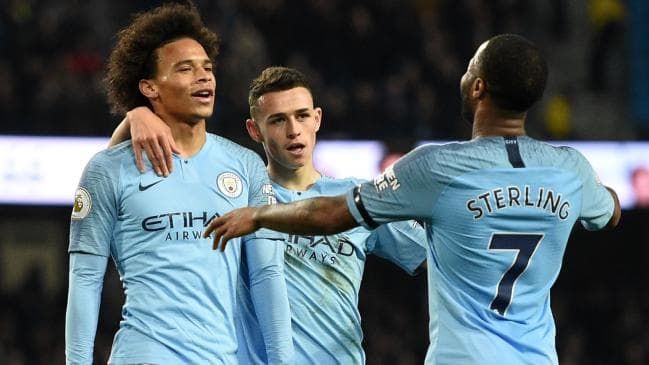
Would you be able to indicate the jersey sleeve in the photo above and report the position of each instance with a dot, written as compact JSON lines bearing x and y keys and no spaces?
{"x":402,"y":243}
{"x":597,"y":202}
{"x":261,"y":193}
{"x":403,"y":191}
{"x":265,"y":262}
{"x":95,"y":208}
{"x":82,"y":312}
{"x":261,"y":190}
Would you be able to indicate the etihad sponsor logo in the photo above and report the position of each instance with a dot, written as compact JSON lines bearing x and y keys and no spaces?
{"x":177,"y":220}
{"x":180,"y":226}
{"x":323,"y":249}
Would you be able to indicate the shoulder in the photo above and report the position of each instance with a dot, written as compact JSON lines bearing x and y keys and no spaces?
{"x":112,"y":157}
{"x":568,"y":155}
{"x":435,"y":150}
{"x":233,"y":148}
{"x":344,"y":181}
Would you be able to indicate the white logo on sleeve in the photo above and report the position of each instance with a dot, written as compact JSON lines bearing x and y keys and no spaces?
{"x":82,"y":204}
{"x":387,"y":179}
{"x":229,"y":184}
{"x":267,"y":191}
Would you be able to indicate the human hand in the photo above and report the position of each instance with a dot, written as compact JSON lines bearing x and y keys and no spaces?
{"x":150,"y":133}
{"x":236,"y":223}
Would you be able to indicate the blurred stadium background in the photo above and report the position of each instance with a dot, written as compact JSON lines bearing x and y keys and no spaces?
{"x":385,"y":71}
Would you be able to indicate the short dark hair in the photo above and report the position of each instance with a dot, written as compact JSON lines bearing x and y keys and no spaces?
{"x":275,"y":78}
{"x":514,"y":70}
{"x":134,"y":56}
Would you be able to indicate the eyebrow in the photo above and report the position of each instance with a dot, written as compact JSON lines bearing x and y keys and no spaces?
{"x":189,"y":62}
{"x":299,"y":111}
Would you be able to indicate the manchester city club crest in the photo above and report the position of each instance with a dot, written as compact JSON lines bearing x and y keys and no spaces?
{"x":229,"y":184}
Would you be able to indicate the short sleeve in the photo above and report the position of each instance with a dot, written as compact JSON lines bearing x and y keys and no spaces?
{"x":95,"y":208}
{"x":597,"y":202}
{"x":403,"y":191}
{"x":403,"y":243}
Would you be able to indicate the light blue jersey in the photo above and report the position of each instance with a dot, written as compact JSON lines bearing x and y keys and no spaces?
{"x":180,"y":295}
{"x":498,"y":212}
{"x":323,"y":276}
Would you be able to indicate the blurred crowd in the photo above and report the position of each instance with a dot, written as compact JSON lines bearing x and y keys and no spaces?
{"x":382,"y":69}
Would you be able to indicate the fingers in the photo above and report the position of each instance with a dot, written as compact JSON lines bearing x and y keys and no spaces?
{"x":167,"y":154}
{"x":161,"y":161}
{"x":220,"y":236}
{"x":220,"y":233}
{"x":152,"y":157}
{"x":155,"y":155}
{"x":209,"y":229}
{"x":137,"y":149}
{"x":172,"y":143}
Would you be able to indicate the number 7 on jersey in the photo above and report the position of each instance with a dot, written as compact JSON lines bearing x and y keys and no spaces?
{"x":526,"y":245}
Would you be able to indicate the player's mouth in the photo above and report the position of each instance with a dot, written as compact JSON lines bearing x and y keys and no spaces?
{"x":296,"y":149}
{"x":204,"y":96}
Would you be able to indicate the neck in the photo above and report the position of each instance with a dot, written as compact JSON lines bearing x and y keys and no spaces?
{"x":488,"y":122}
{"x":301,"y":178}
{"x":189,"y":136}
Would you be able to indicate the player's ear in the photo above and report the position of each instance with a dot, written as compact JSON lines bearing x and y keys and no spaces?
{"x":479,"y":88}
{"x":253,"y":130}
{"x":318,"y":118}
{"x":148,"y":88}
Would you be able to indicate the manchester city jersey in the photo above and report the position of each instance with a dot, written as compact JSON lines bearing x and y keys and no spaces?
{"x":323,"y":278}
{"x":180,"y":295}
{"x":498,"y":213}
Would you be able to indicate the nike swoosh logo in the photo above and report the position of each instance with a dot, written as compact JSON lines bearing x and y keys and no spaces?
{"x":144,"y":187}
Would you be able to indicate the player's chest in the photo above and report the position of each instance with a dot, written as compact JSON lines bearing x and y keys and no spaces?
{"x":344,"y":250}
{"x":187,"y":195}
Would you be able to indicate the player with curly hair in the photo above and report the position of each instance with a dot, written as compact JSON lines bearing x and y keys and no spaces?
{"x":181,"y":298}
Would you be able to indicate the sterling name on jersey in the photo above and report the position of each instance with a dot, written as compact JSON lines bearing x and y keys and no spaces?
{"x":323,"y":278}
{"x":180,"y":295}
{"x":498,"y":211}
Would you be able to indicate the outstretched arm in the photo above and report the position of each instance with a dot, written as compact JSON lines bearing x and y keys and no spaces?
{"x":323,"y":215}
{"x":149,"y":133}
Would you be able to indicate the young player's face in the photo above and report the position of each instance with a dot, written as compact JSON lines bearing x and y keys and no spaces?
{"x":288,"y":123}
{"x":185,"y":81}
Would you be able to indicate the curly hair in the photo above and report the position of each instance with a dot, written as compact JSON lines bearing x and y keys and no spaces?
{"x":135,"y":55}
{"x":275,"y":78}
